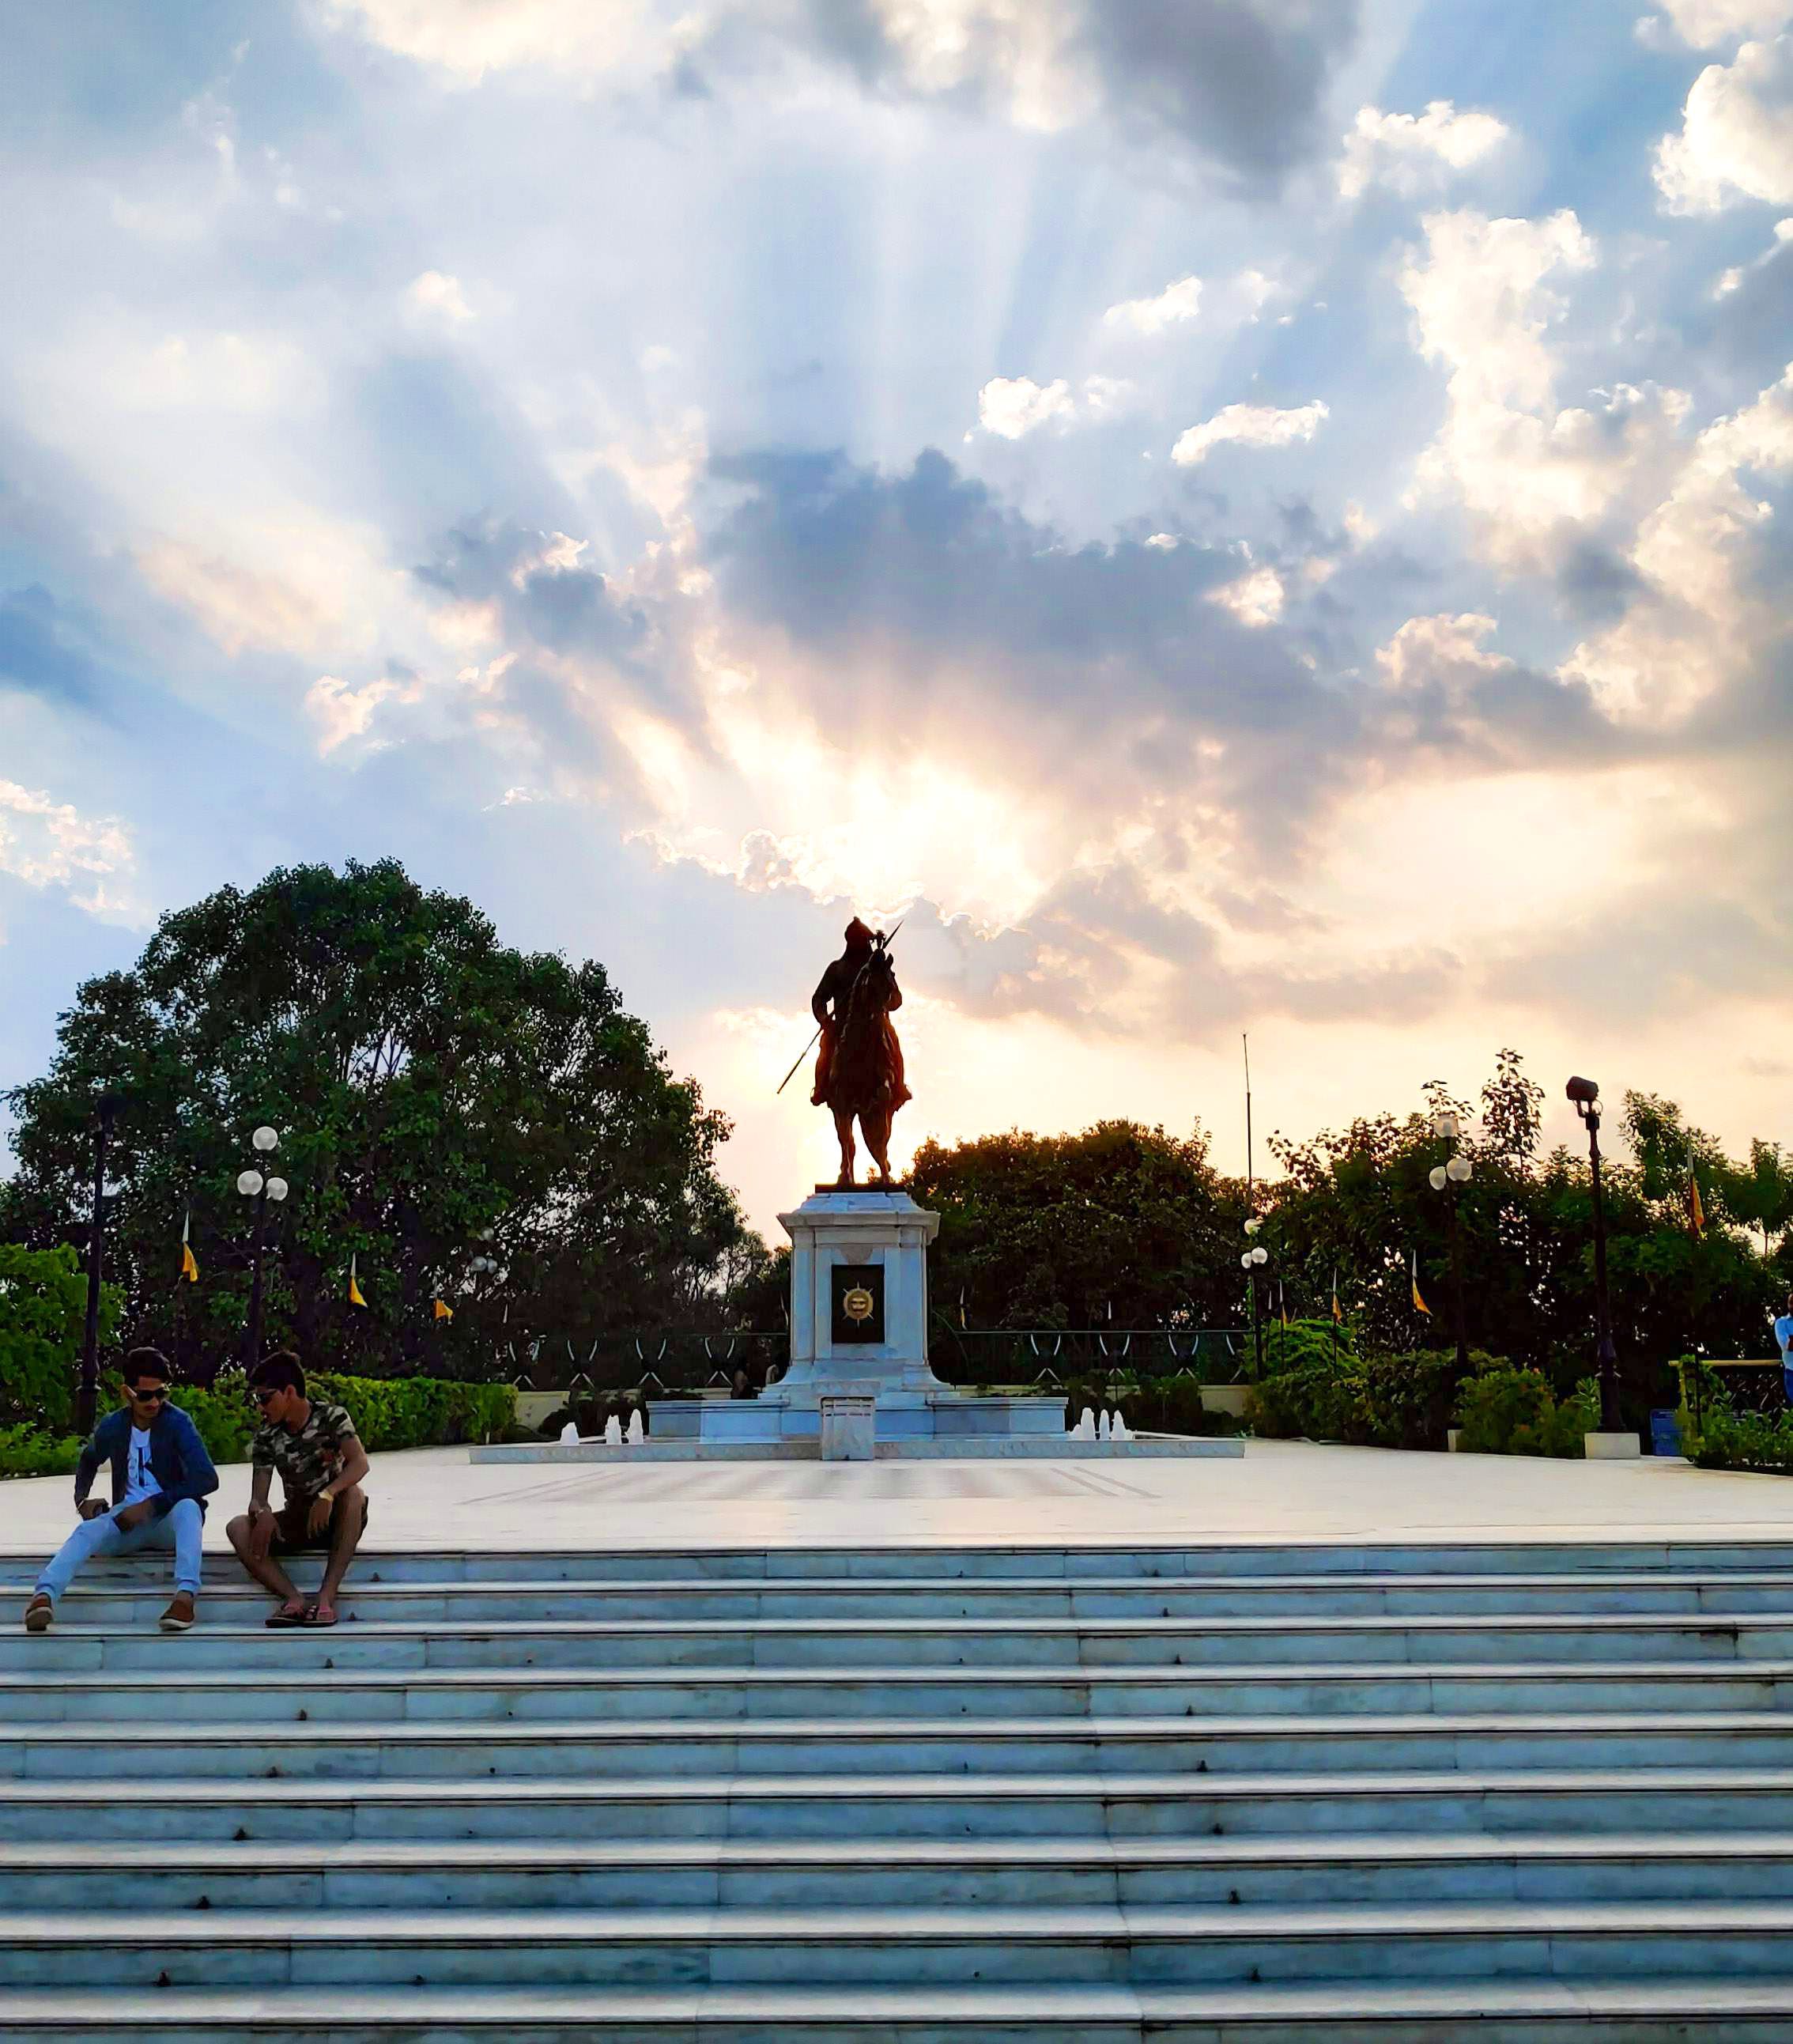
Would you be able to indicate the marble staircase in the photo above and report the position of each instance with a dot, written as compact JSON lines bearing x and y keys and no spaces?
{"x":1496,"y":1792}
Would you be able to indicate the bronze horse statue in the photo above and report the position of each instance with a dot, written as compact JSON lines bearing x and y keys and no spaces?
{"x":863,"y":1071}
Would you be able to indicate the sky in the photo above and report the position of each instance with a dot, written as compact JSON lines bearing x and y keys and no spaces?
{"x":1228,"y":516}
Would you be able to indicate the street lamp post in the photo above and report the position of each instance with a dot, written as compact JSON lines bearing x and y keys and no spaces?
{"x":1445,"y":1177}
{"x":1251,"y":1261}
{"x":88,"y":1397}
{"x":1586,"y":1095}
{"x":253,"y":1185}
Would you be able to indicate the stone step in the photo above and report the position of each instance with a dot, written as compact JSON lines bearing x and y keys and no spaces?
{"x":1594,"y":1802}
{"x":1616,"y":2011}
{"x":1144,"y":1946}
{"x":368,"y":1694}
{"x":945,"y":1561}
{"x":1048,"y":1872}
{"x":884,"y":1643}
{"x":1612,"y":1591}
{"x":421,"y":1748}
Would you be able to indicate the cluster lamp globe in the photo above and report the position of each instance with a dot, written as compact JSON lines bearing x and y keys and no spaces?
{"x":1437,"y":1177}
{"x":276,"y":1189}
{"x":1261,"y":1256}
{"x":1458,"y":1169}
{"x":266,"y":1137}
{"x":1444,"y":1124}
{"x":1245,"y":1261}
{"x":248,"y":1183}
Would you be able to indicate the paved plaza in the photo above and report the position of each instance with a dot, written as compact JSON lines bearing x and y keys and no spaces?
{"x":1279,"y":1490}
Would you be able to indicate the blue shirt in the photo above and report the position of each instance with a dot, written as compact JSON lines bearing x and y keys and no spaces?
{"x":178,"y":1460}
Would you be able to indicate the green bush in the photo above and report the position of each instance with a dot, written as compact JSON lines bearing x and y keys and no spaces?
{"x":1759,"y":1441}
{"x":43,"y":1321}
{"x":1378,"y":1400}
{"x":1506,"y":1411}
{"x":388,"y":1413}
{"x":29,"y":1451}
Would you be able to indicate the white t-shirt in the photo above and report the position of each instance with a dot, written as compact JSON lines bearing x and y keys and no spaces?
{"x":140,"y":1478}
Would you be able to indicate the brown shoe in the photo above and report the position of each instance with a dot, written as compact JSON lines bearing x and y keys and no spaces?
{"x":39,"y":1613}
{"x":179,"y":1615}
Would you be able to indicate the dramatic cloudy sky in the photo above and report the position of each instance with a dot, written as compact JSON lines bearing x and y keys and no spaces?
{"x":1230,"y":514}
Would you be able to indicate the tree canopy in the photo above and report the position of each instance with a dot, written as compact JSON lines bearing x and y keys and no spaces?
{"x":468,"y":1121}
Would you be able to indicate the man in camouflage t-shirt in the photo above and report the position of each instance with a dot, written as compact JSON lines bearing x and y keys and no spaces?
{"x":321,"y":1462}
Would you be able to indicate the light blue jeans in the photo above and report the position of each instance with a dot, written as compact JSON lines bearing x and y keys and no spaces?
{"x":178,"y":1528}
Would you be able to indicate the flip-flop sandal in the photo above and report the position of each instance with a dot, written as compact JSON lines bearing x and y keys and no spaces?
{"x":291,"y":1612}
{"x":314,"y":1615}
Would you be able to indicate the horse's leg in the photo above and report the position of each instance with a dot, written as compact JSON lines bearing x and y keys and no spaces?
{"x":843,"y":1128}
{"x":877,"y":1141}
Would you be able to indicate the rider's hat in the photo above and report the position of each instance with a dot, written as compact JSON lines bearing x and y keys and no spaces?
{"x":857,"y":933}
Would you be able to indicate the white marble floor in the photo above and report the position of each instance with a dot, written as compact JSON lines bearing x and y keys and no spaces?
{"x":1279,"y":1490}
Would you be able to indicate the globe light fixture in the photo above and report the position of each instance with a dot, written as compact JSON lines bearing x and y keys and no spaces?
{"x":1585,"y":1093}
{"x":1261,"y":1256}
{"x":1444,"y":1125}
{"x":1458,"y":1169}
{"x":1437,"y":1177}
{"x":1445,"y":1177}
{"x":263,"y":1190}
{"x":1252,"y":1227}
{"x":1245,"y":1261}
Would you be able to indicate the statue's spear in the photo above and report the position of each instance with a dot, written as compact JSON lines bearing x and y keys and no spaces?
{"x":883,"y":943}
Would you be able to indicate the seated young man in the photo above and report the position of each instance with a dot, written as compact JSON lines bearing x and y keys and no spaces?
{"x":321,"y":1462}
{"x":161,"y":1477}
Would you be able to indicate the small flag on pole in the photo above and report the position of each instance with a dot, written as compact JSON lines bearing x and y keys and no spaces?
{"x":1282,"y":1306}
{"x":189,"y":1267}
{"x":443,"y":1310}
{"x":1696,"y":1210}
{"x":1336,"y":1314}
{"x":962,"y":1305}
{"x":355,"y":1297}
{"x":1419,"y":1305}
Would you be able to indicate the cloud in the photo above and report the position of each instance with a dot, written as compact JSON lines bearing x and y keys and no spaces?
{"x":46,"y":844}
{"x":1255,"y":598}
{"x":1703,"y":25}
{"x":438,"y":294}
{"x":35,"y":654}
{"x":1013,"y":407}
{"x":1411,"y":152}
{"x":1173,"y":304}
{"x":1252,"y":425}
{"x":1534,"y":477}
{"x":1737,"y":134}
{"x":1240,"y":83}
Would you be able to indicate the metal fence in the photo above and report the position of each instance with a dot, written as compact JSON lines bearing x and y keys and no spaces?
{"x":674,"y":1363}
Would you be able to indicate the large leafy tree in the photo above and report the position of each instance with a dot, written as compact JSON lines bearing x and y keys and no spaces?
{"x":1122,"y":1222}
{"x":470,"y":1122}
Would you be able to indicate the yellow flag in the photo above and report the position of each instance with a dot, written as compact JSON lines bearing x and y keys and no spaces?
{"x":1419,"y":1305}
{"x":1696,"y":1210}
{"x":355,"y":1297}
{"x":189,"y":1267}
{"x":443,"y":1311}
{"x":1336,"y":1314}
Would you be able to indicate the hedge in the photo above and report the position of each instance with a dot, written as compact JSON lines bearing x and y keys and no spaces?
{"x":1723,"y":1437}
{"x":1505,"y":1410}
{"x":1382,"y":1401}
{"x":388,"y":1413}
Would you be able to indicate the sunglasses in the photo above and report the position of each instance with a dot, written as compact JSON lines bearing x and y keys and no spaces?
{"x":157,"y":1396}
{"x":266,"y":1397}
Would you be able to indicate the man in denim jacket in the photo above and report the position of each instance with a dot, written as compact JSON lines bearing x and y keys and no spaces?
{"x":161,"y":1477}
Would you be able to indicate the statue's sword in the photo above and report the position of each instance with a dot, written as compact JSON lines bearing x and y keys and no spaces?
{"x":884,"y":943}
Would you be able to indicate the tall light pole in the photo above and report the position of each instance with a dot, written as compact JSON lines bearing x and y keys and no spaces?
{"x":88,"y":1395}
{"x":1445,"y":1177}
{"x":253,"y":1185}
{"x":1586,"y":1095}
{"x":1251,"y":1261}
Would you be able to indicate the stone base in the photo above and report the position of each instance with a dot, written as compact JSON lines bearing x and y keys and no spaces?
{"x":1611,"y":1447}
{"x":1019,"y":1447}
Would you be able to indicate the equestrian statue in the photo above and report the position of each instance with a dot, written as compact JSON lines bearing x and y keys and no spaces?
{"x":859,"y":1067}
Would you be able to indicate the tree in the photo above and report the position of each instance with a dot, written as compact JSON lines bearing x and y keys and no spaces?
{"x":1063,"y":1231}
{"x":42,"y":1323}
{"x":440,"y":1098}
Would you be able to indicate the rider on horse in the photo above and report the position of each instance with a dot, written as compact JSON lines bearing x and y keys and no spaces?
{"x":829,"y":1004}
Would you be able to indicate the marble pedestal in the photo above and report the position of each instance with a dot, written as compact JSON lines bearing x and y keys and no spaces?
{"x":859,"y":1328}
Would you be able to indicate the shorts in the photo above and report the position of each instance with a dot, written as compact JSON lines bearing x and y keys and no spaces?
{"x":292,"y":1531}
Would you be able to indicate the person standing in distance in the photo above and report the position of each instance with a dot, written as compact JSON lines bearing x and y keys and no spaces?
{"x":161,"y":1477}
{"x":1783,"y":1334}
{"x":321,"y":1462}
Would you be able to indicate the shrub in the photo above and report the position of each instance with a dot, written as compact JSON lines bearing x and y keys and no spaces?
{"x":388,"y":1413}
{"x":1378,"y":1400}
{"x":29,"y":1451}
{"x":43,"y":1320}
{"x":1759,"y":1441}
{"x":1506,"y":1411}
